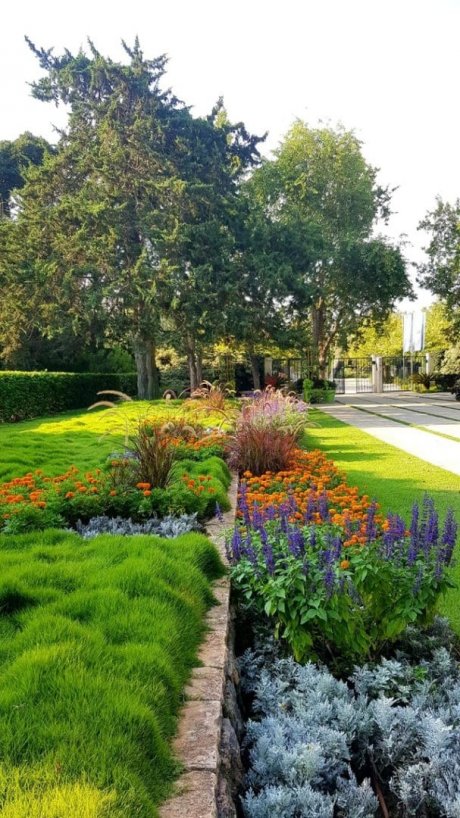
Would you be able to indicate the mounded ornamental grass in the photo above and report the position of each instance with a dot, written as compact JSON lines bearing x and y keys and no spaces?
{"x":393,"y":477}
{"x":83,"y":439}
{"x":96,"y":642}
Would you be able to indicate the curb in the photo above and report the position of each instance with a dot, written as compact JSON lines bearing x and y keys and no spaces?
{"x":198,"y":738}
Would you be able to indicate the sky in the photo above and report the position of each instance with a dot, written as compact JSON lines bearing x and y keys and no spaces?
{"x":388,"y":69}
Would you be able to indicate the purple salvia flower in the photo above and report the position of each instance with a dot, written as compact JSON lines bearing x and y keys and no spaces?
{"x":296,"y":542}
{"x":336,"y":548}
{"x":284,"y":523}
{"x":414,"y":535}
{"x":310,"y":509}
{"x":323,"y":507}
{"x":219,"y":514}
{"x":371,"y":528}
{"x":329,"y":581}
{"x":427,"y":506}
{"x":270,"y":513}
{"x":292,"y":502}
{"x":313,"y":538}
{"x":257,"y":518}
{"x":236,"y":545}
{"x":269,"y":558}
{"x":449,"y":536}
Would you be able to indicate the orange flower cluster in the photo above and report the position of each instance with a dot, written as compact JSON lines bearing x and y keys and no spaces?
{"x":205,"y":442}
{"x":198,"y":486}
{"x":310,"y":475}
{"x":34,"y":489}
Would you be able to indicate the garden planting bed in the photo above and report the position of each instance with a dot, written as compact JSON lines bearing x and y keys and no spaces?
{"x":353,"y":707}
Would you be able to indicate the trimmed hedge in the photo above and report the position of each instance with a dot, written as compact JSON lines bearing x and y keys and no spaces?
{"x":32,"y":394}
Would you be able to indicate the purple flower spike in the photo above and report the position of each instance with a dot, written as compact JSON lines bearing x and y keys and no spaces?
{"x":219,"y":514}
{"x":296,"y":542}
{"x":449,"y":536}
{"x":269,"y":558}
{"x":236,"y":545}
{"x":310,"y":509}
{"x":371,"y":528}
{"x":329,"y":581}
{"x":257,"y":518}
{"x":323,"y":507}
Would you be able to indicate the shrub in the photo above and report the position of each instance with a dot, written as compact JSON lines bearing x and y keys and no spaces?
{"x":318,"y":592}
{"x":32,"y":394}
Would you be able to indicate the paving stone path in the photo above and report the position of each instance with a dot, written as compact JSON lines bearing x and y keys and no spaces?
{"x":388,"y":417}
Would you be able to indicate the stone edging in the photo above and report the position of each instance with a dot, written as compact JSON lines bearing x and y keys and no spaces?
{"x":197,"y":744}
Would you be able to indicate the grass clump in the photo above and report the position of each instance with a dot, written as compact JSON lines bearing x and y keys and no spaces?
{"x":96,"y":642}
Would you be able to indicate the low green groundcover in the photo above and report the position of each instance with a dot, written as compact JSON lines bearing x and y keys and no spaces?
{"x":96,"y":642}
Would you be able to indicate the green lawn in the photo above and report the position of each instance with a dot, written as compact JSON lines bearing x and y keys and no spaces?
{"x":393,"y":477}
{"x":97,"y":640}
{"x":83,"y":439}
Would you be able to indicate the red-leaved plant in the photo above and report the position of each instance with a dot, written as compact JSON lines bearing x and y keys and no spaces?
{"x":260,"y":449}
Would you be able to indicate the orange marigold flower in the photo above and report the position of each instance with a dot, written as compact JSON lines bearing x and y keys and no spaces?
{"x":147,"y":492}
{"x":143,"y":486}
{"x":69,"y":495}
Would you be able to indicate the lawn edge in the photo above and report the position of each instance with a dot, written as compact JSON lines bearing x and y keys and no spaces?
{"x":198,"y":739}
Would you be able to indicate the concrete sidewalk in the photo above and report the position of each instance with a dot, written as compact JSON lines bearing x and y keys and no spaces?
{"x":432,"y":448}
{"x":435,"y":417}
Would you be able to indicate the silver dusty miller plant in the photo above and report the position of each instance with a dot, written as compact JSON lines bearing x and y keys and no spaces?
{"x":169,"y":526}
{"x":312,"y":734}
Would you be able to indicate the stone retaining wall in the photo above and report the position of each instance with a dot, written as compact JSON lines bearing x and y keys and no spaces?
{"x":210,"y":726}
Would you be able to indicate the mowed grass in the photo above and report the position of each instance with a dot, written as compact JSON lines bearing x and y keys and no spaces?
{"x":391,"y":476}
{"x":97,"y":640}
{"x":83,"y":439}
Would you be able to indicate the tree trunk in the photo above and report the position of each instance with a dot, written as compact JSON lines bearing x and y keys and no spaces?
{"x":194,"y":367}
{"x":319,"y":340}
{"x":147,"y":372}
{"x":254,"y":361}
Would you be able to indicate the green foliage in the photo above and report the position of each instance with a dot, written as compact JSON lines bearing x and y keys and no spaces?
{"x":320,"y":187}
{"x":440,"y":273}
{"x":353,"y":600}
{"x":31,"y":394}
{"x":98,"y":640}
{"x":15,"y":157}
{"x":318,"y":391}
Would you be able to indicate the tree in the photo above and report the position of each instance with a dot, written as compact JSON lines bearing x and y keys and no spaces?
{"x":107,"y":225}
{"x":15,"y":156}
{"x":320,"y":186}
{"x":441,"y":272}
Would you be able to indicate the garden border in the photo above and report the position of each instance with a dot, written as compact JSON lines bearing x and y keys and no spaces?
{"x":203,"y":728}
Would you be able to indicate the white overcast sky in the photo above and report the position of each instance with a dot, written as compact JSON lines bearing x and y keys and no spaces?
{"x":389,"y":69}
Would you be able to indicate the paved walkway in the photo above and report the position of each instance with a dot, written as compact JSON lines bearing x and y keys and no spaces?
{"x":386,"y":416}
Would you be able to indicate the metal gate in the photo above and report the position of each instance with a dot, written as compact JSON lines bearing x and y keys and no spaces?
{"x":352,"y":375}
{"x":399,"y":371}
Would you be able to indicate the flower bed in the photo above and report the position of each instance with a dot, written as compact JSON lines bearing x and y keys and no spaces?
{"x":336,"y":582}
{"x":195,"y":479}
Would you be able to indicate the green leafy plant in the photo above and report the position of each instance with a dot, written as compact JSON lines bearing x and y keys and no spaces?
{"x":343,"y":603}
